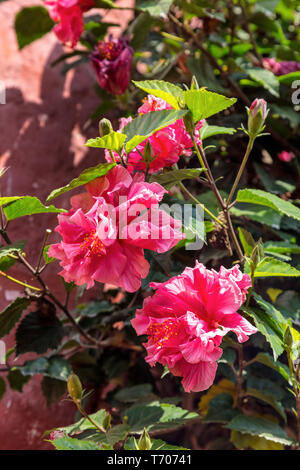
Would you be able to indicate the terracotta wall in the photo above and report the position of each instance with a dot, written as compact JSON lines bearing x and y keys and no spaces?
{"x":42,"y":137}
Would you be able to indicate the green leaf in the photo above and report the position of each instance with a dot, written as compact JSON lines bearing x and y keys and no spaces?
{"x":269,"y":266}
{"x":268,"y":327}
{"x":32,"y":23}
{"x":289,"y":78}
{"x":247,"y":241}
{"x":6,"y":260}
{"x":165,"y":90}
{"x":281,"y":247}
{"x":113,"y":141}
{"x":70,"y":443}
{"x":267,"y":360}
{"x":155,"y":7}
{"x":144,"y":126}
{"x":265,"y":78}
{"x":28,"y":205}
{"x":85,"y":177}
{"x":261,"y":214}
{"x":117,"y":433}
{"x":203,"y":103}
{"x":16,"y":379}
{"x":132,"y":394}
{"x":257,"y":196}
{"x":84,"y":424}
{"x":47,"y":259}
{"x":11,"y":314}
{"x":220,"y":409}
{"x":12,"y":249}
{"x":246,"y":441}
{"x":156,"y":416}
{"x":6,"y":200}
{"x":170,"y":178}
{"x":37,"y":333}
{"x":209,"y":131}
{"x":271,"y":310}
{"x":2,"y":387}
{"x":269,"y":399}
{"x":295,"y":347}
{"x":93,"y":309}
{"x":259,"y":427}
{"x":34,"y":366}
{"x":58,"y":368}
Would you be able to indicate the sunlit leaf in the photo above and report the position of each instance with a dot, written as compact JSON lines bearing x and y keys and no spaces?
{"x":85,"y":177}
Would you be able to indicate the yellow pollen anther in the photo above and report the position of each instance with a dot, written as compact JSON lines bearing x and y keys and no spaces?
{"x":162,"y":332}
{"x":92,"y":245}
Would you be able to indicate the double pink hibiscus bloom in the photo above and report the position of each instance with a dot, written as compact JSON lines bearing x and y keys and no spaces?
{"x":186,"y":319}
{"x":109,"y":226}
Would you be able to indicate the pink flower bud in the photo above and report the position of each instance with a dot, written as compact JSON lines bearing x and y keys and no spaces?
{"x":56,"y":435}
{"x":257,"y":105}
{"x":257,"y":114}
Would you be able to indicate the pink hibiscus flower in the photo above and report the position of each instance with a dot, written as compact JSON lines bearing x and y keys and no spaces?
{"x":186,"y":319}
{"x":112,"y":61}
{"x":108,"y":227}
{"x":168,"y":144}
{"x":68,"y":15}
{"x":286,"y":156}
{"x":282,"y":67}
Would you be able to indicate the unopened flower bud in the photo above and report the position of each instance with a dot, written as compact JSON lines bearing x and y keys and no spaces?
{"x":56,"y":435}
{"x":107,"y":422}
{"x":74,"y":387}
{"x":257,"y":114}
{"x":148,"y":153}
{"x":288,"y":337}
{"x":105,"y":127}
{"x":144,"y":442}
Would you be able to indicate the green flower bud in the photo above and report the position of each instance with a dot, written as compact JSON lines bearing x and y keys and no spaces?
{"x":144,"y":442}
{"x":257,"y":114}
{"x":148,"y":153}
{"x":105,"y":127}
{"x":288,"y":337}
{"x":107,"y":422}
{"x":74,"y":388}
